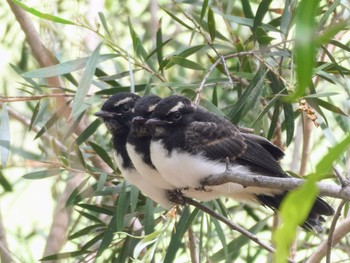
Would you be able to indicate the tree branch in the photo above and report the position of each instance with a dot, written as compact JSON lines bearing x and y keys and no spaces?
{"x":290,"y":183}
{"x":341,"y":231}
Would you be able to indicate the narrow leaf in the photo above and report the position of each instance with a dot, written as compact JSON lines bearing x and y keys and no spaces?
{"x":85,"y":83}
{"x":91,"y":129}
{"x":204,"y":9}
{"x":42,"y":174}
{"x":65,"y":67}
{"x":103,"y":154}
{"x":255,"y":83}
{"x":305,"y":44}
{"x":211,"y":24}
{"x":184,"y":63}
{"x":177,"y":19}
{"x":45,"y":16}
{"x":6,"y":185}
{"x":4,"y":136}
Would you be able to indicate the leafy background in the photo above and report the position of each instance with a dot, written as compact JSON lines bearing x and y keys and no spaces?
{"x":278,"y":67}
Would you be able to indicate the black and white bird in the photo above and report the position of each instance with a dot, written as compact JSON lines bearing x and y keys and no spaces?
{"x":189,"y":144}
{"x":138,"y":148}
{"x":117,"y":114}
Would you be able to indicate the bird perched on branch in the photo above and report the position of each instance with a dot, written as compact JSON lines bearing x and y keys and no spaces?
{"x":190,"y":144}
{"x":117,"y":114}
{"x":138,"y":148}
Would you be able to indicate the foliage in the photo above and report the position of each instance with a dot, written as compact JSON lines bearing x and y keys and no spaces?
{"x":273,"y":66}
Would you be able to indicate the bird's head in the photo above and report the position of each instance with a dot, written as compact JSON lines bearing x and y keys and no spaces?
{"x":118,"y":111}
{"x":143,"y":109}
{"x":171,"y":113}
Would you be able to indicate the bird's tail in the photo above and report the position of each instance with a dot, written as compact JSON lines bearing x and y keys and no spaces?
{"x":315,"y":218}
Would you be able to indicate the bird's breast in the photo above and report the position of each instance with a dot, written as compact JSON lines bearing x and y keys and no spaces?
{"x":145,"y":170}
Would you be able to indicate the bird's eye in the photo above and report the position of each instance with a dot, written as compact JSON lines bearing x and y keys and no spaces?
{"x":176,"y":116}
{"x":125,"y":108}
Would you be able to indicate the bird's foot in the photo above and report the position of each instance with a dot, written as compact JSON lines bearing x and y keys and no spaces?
{"x":175,"y":196}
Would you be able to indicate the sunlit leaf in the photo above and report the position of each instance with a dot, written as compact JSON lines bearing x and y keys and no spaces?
{"x":65,"y":67}
{"x":43,"y":173}
{"x":4,"y":135}
{"x":305,"y":44}
{"x":85,"y":83}
{"x":45,"y":16}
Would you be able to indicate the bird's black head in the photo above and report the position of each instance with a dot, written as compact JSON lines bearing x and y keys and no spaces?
{"x":172,"y":112}
{"x":143,"y":109}
{"x":118,"y":111}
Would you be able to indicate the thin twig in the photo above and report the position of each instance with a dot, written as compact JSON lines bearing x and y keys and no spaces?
{"x":281,"y":183}
{"x":215,"y":64}
{"x":341,"y":231}
{"x":332,"y":229}
{"x":343,"y":181}
{"x":193,"y":245}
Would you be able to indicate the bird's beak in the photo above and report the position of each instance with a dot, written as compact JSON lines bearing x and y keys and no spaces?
{"x":104,"y":114}
{"x":139,"y":120}
{"x":154,"y":122}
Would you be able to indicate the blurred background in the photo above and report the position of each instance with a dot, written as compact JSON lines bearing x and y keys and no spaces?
{"x":61,"y":192}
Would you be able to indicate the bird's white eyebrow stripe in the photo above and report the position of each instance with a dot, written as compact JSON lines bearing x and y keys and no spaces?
{"x":122,"y":101}
{"x":178,"y":106}
{"x":151,"y":108}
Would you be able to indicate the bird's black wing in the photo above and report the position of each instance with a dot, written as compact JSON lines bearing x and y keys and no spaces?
{"x":216,"y":140}
{"x":275,"y":151}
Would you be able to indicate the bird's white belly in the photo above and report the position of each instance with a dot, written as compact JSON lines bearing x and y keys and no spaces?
{"x":147,"y":188}
{"x":184,"y":170}
{"x":147,"y":172}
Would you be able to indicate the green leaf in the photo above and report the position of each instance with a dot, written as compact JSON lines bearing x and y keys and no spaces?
{"x":51,"y":121}
{"x":103,"y":154}
{"x":112,"y":91}
{"x":247,"y":10}
{"x":177,"y":235}
{"x":42,"y":174}
{"x":4,"y":136}
{"x":204,"y":9}
{"x":236,"y":245}
{"x":85,"y":83}
{"x":65,"y":67}
{"x":5,"y":183}
{"x":139,"y":50}
{"x":260,"y":14}
{"x":211,"y":24}
{"x":64,"y":255}
{"x":184,"y":63}
{"x":305,"y":44}
{"x":75,"y":196}
{"x":45,"y":16}
{"x":85,"y":231}
{"x":256,"y":83}
{"x":177,"y":19}
{"x":288,"y":122}
{"x":98,"y":209}
{"x":329,"y":106}
{"x":104,"y":22}
{"x":91,"y":129}
{"x":325,"y":165}
{"x":294,"y":210}
{"x":113,"y":226}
